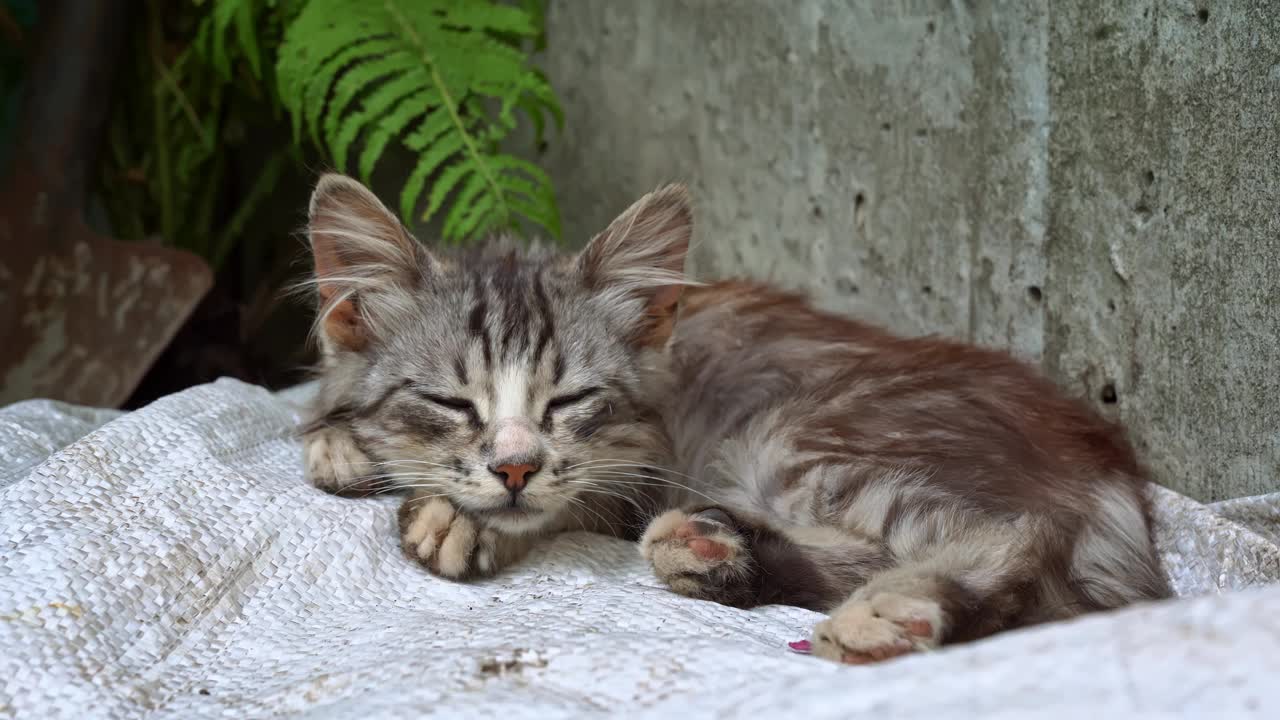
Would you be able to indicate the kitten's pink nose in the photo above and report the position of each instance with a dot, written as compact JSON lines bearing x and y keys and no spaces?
{"x":517,"y":453}
{"x":514,"y":476}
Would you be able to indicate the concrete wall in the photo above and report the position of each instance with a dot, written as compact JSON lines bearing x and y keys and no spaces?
{"x":1094,"y":184}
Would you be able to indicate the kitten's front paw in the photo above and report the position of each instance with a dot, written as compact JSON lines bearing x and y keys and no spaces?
{"x":701,"y":555}
{"x":445,"y":541}
{"x":334,"y":463}
{"x":877,"y":628}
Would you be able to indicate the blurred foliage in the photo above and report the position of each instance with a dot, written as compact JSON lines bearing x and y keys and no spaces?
{"x":17,"y":17}
{"x":176,"y":143}
{"x":442,"y":78}
{"x":225,"y":110}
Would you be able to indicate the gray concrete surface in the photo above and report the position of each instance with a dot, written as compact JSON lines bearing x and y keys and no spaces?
{"x":1095,"y":185}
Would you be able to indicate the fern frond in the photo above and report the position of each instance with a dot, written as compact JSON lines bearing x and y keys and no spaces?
{"x":476,"y":219}
{"x":391,"y":108}
{"x":433,"y":161}
{"x":437,"y":123}
{"x":309,"y":97}
{"x":539,"y":103}
{"x":426,"y":73}
{"x":394,"y":122}
{"x":444,"y":185}
{"x":468,"y":198}
{"x":398,"y":67}
{"x":488,"y":17}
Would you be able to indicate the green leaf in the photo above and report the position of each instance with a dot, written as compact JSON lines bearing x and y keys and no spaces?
{"x":437,"y":123}
{"x":491,"y":17}
{"x":247,"y":32}
{"x":540,"y":213}
{"x":445,"y":184}
{"x":446,"y":78}
{"x":442,"y":150}
{"x":390,"y":111}
{"x":224,"y":12}
{"x":313,"y":92}
{"x":469,"y":197}
{"x":469,"y":221}
{"x":361,"y":78}
{"x":510,"y":162}
{"x":412,"y":190}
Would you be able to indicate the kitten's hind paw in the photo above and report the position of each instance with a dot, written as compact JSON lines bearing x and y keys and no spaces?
{"x":882,"y":626}
{"x":700,"y":555}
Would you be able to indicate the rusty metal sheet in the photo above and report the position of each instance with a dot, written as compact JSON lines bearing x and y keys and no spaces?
{"x":82,"y":316}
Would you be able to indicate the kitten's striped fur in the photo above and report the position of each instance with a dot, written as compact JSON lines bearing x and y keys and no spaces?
{"x":922,"y":491}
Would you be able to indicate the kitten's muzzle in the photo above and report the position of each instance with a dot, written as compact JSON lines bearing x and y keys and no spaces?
{"x":517,"y":453}
{"x":514,"y":475}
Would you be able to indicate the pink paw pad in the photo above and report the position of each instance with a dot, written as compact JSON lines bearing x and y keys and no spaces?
{"x":705,"y":548}
{"x":919,"y":628}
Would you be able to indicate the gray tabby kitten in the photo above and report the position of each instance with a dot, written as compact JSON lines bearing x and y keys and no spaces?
{"x":921,"y":491}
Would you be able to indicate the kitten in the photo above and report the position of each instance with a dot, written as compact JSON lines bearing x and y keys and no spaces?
{"x":920,"y":491}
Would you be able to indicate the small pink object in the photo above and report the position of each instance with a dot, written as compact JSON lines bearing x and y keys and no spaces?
{"x":800,"y":646}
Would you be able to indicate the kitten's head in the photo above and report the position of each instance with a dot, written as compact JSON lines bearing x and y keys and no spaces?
{"x":510,"y":380}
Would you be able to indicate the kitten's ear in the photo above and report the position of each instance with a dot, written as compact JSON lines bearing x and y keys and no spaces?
{"x":360,"y":249}
{"x":642,"y":254}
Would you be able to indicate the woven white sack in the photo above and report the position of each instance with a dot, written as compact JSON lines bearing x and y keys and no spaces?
{"x":174,"y":563}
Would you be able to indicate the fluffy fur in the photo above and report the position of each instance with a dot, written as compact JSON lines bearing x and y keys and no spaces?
{"x":921,"y":491}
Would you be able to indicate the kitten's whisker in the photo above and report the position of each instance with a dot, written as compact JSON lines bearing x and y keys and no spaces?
{"x":637,"y":483}
{"x":663,"y":481}
{"x":391,"y":486}
{"x":385,"y":477}
{"x":625,"y":461}
{"x":633,"y":466}
{"x":588,"y":508}
{"x":372,"y":476}
{"x":628,"y":463}
{"x":595,"y":460}
{"x":613,"y":520}
{"x":409,"y":481}
{"x":423,"y":498}
{"x":592,"y":488}
{"x":394,"y":463}
{"x":418,"y":462}
{"x":581,"y":524}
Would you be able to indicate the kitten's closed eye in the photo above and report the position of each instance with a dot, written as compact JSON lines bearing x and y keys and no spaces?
{"x":455,"y":404}
{"x":564,"y":401}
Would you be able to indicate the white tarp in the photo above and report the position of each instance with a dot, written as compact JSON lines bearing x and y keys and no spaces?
{"x":173,"y":562}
